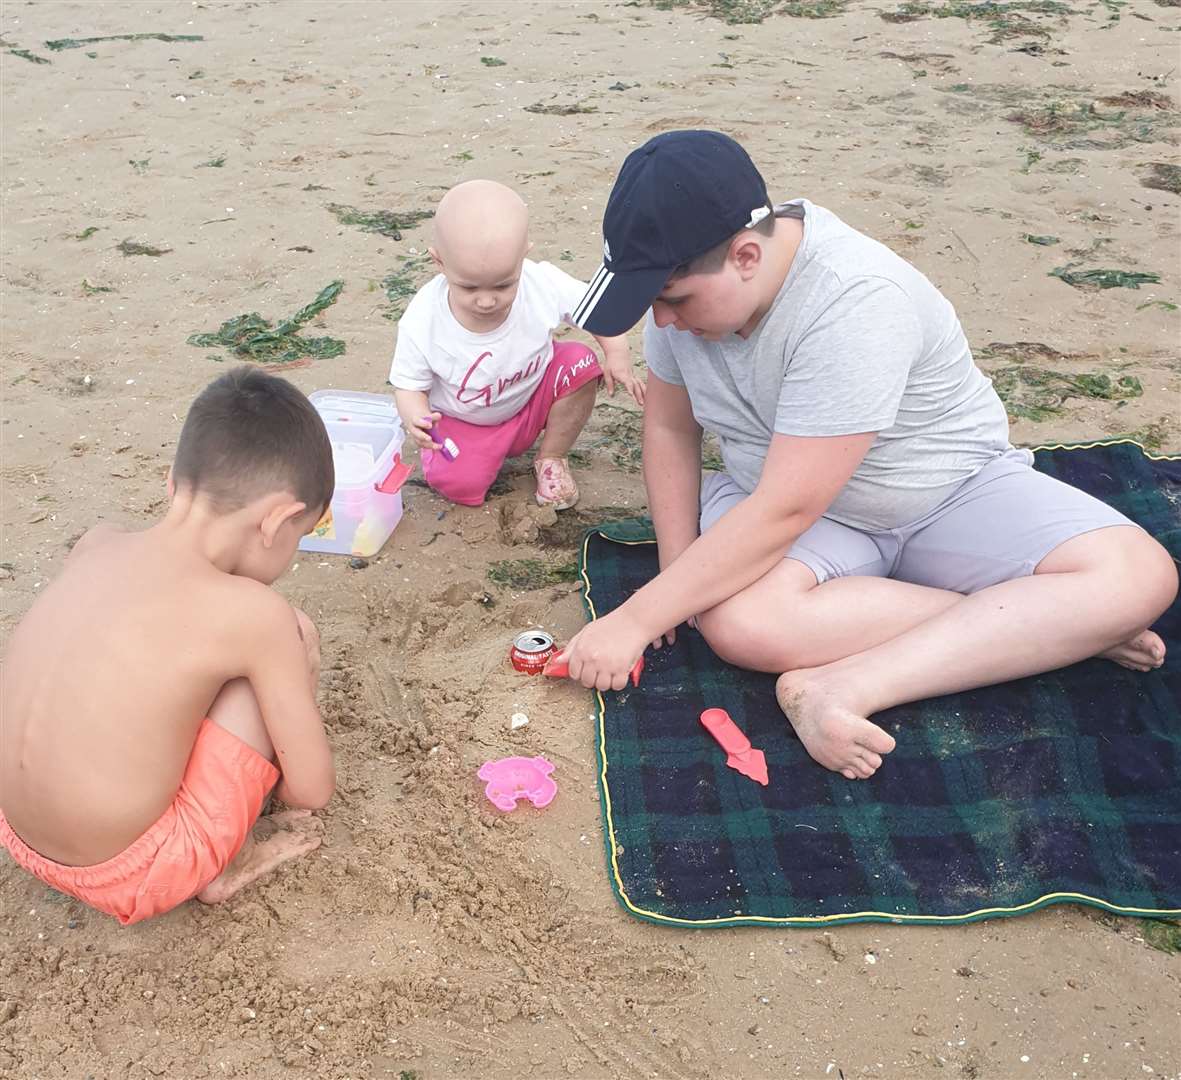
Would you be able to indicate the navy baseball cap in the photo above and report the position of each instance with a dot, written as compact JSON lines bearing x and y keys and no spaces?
{"x":676,"y":197}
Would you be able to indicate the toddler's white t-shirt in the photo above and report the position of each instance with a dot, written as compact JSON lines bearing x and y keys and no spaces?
{"x":483,"y":378}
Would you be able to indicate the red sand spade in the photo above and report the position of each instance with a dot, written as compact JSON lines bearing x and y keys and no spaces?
{"x":560,"y":669}
{"x":740,"y":754}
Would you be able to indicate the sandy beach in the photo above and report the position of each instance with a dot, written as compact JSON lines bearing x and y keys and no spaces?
{"x":153,"y":189}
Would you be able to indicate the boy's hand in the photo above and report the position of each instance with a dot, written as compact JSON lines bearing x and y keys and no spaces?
{"x":420,"y":431}
{"x":602,"y":655}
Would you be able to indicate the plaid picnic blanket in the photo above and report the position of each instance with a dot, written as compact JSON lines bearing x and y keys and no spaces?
{"x":1064,"y":788}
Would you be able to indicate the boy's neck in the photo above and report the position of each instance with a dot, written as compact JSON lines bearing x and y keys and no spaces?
{"x":194,"y":525}
{"x":780,"y":249}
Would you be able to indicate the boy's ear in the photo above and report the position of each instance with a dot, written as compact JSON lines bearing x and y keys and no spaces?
{"x":747,"y":254}
{"x":435,"y":257}
{"x":280,"y":511}
{"x":170,"y":484}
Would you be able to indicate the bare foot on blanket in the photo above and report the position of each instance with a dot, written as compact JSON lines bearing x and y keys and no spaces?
{"x":281,"y":837}
{"x":834,"y":735}
{"x":1141,"y":652}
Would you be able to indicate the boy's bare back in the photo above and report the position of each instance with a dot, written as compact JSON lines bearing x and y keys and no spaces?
{"x":107,"y":681}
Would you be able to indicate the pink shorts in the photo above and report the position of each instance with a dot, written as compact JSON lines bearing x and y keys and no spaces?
{"x":194,"y":840}
{"x":484,"y":447}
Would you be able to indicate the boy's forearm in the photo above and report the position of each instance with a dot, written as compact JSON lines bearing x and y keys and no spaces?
{"x":672,"y":476}
{"x":744,"y":545}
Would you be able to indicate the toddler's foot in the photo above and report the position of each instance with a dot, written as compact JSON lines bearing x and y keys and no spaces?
{"x":1141,"y":652}
{"x":287,"y":836}
{"x":835,"y":736}
{"x":555,"y":485}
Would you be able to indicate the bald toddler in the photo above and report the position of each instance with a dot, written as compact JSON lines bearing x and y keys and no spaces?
{"x":476,"y":373}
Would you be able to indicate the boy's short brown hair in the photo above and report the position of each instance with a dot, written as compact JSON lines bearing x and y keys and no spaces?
{"x":249,"y":434}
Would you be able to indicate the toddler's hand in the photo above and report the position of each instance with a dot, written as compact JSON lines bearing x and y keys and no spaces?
{"x":621,"y":373}
{"x":420,"y":429}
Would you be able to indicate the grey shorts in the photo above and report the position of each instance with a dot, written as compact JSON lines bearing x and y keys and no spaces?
{"x":995,"y":527}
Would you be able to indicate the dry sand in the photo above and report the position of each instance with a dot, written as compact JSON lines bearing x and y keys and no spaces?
{"x":432,"y":936}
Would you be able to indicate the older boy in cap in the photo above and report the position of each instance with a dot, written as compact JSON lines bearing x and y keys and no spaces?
{"x":874,"y":537}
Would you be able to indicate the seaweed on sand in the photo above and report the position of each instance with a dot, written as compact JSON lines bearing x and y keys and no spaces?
{"x":1067,"y":124}
{"x":384,"y":222}
{"x":33,"y":58}
{"x":1005,"y":20}
{"x":531,"y":573}
{"x":79,"y":43}
{"x":559,"y":110}
{"x":134,"y":247}
{"x":1162,"y":176}
{"x":252,"y":337}
{"x":1033,"y":392}
{"x":736,"y":12}
{"x":401,"y":284}
{"x":1090,"y":280}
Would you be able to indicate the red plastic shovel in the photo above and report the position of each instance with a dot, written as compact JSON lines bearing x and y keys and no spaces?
{"x":740,"y":754}
{"x":559,"y":669}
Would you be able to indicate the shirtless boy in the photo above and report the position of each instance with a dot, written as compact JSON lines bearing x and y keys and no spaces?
{"x":874,"y":538}
{"x":158,"y":690}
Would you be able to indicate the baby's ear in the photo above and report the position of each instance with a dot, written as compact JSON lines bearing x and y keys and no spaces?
{"x":435,"y":257}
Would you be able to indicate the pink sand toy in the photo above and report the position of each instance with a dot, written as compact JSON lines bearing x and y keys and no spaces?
{"x":512,"y":778}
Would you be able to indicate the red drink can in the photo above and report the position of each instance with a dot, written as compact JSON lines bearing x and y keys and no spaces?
{"x":531,"y":651}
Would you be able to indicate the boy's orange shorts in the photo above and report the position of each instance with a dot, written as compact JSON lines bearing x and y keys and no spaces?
{"x":194,"y":840}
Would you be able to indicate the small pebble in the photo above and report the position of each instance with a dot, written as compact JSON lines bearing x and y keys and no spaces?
{"x":518,"y":719}
{"x":357,"y":563}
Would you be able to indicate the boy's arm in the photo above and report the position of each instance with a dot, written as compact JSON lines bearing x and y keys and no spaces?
{"x":277,"y":667}
{"x":800,"y":478}
{"x":415,"y":410}
{"x":617,"y":366}
{"x":672,"y":467}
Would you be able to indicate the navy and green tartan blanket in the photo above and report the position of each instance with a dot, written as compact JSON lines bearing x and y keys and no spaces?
{"x":1063,"y":788}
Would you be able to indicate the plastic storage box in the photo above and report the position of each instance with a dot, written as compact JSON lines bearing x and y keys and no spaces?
{"x":366,"y":436}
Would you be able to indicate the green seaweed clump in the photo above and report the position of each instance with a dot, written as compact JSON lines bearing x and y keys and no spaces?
{"x":79,"y":43}
{"x":1043,"y":241}
{"x":531,"y":573}
{"x":213,"y":163}
{"x":559,"y":110}
{"x":253,"y":338}
{"x":86,"y":233}
{"x":737,"y":12}
{"x":1036,"y":393}
{"x":1162,"y":176}
{"x":24,"y":54}
{"x":1161,"y":934}
{"x":403,"y":283}
{"x":134,"y":247}
{"x":94,"y":290}
{"x":1104,"y":279}
{"x":385,"y":222}
{"x":491,"y":61}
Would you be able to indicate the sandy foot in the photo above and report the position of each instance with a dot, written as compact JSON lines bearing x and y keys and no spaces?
{"x":1143,"y":652}
{"x":835,"y":736}
{"x":288,"y":835}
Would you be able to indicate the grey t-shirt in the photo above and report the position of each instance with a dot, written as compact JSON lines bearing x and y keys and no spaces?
{"x":857,"y":340}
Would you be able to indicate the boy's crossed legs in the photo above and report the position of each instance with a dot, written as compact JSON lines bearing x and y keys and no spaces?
{"x":855,"y":645}
{"x":280,"y":836}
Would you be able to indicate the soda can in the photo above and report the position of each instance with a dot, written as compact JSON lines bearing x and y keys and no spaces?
{"x":530,"y":652}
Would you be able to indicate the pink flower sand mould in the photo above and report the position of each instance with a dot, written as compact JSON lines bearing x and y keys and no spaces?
{"x":513,"y":778}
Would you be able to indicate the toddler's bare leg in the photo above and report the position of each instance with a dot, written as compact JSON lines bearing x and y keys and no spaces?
{"x":567,"y":417}
{"x":277,"y":837}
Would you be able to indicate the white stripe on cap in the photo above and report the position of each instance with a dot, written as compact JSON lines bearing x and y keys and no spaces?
{"x":594,"y":294}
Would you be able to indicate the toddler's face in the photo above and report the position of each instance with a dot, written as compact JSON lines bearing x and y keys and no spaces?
{"x":482,"y":284}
